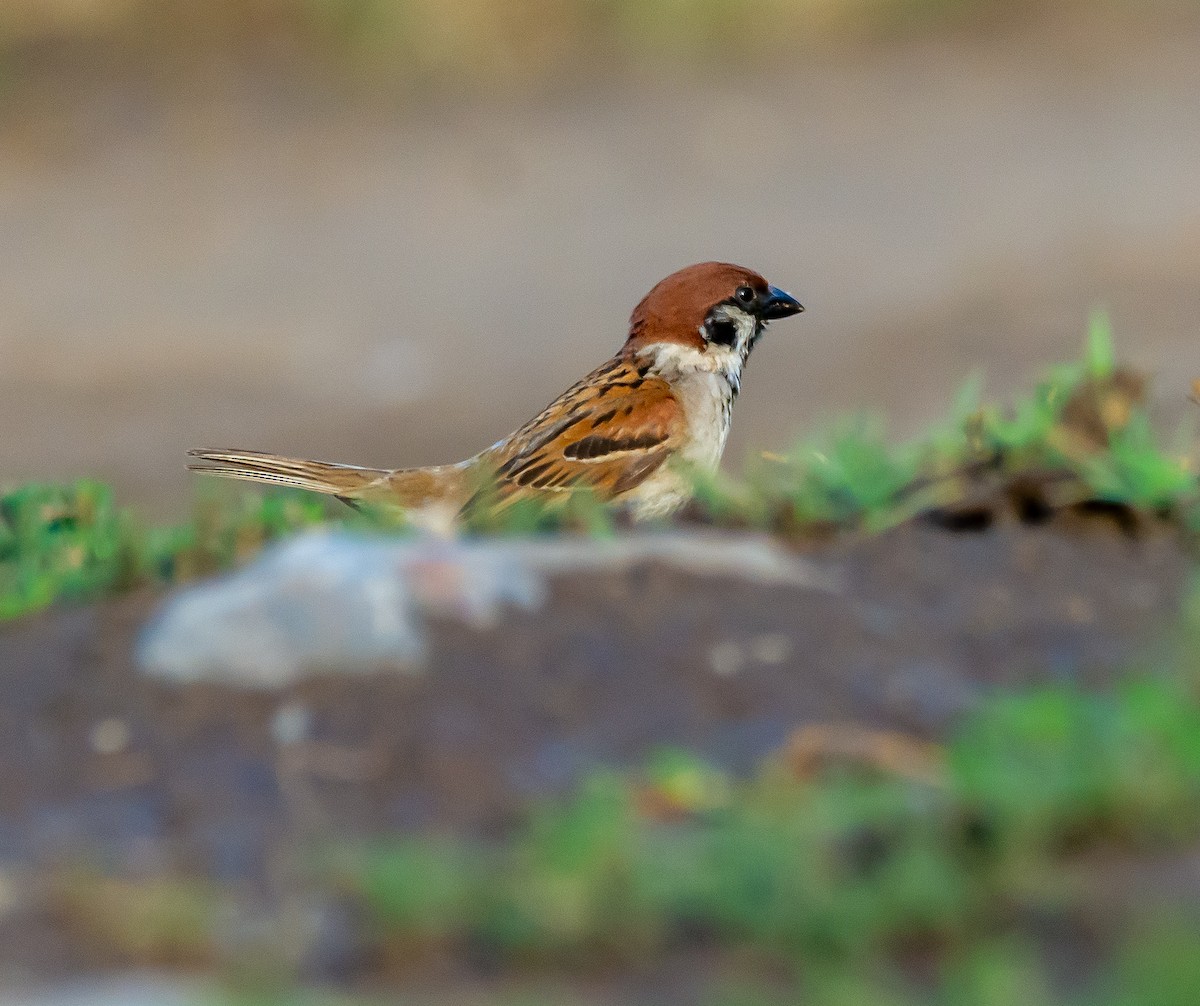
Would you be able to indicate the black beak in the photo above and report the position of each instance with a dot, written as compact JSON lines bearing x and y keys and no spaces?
{"x":777,"y":304}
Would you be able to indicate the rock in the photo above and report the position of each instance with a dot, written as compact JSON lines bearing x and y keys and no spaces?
{"x":330,"y":601}
{"x":147,"y":989}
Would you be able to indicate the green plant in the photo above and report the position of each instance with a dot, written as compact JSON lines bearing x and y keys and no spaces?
{"x":1055,"y":765}
{"x":1136,"y":471}
{"x":60,"y":541}
{"x":849,"y":866}
{"x":73,"y":543}
{"x":848,"y":476}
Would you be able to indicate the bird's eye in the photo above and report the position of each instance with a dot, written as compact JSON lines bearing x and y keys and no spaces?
{"x":745,"y":295}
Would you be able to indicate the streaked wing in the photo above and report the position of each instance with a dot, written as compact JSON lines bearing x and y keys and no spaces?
{"x":608,"y":433}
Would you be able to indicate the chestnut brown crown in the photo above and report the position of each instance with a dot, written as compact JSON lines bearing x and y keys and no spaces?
{"x":677,"y":307}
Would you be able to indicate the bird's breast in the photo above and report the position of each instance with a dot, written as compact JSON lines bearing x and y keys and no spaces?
{"x":707,"y":405}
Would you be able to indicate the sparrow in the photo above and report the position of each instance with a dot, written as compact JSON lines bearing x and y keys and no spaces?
{"x":626,"y":433}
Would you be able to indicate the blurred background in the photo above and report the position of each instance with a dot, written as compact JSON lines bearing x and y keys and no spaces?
{"x":388,"y":231}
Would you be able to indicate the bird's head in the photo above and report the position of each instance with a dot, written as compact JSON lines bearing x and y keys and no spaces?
{"x":713,"y":312}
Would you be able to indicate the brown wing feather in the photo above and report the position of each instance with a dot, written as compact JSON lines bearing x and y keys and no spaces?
{"x":608,"y":433}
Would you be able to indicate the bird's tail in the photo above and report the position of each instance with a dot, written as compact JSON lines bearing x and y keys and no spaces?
{"x":315,"y":476}
{"x":410,"y":487}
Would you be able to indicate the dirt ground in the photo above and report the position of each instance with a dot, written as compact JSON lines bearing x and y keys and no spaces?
{"x":238,"y":787}
{"x":235,"y":259}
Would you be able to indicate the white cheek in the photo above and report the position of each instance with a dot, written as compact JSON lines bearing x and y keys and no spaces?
{"x":747,"y":326}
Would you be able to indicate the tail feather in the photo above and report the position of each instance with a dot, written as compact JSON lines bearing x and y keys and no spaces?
{"x":404,"y":487}
{"x":346,"y":481}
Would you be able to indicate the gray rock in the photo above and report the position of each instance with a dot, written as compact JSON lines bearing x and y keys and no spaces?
{"x":330,"y":601}
{"x":122,"y":990}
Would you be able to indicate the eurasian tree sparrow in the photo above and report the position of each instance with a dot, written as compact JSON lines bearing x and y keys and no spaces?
{"x":667,"y":395}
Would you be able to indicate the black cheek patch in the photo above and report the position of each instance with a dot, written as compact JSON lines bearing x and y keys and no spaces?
{"x":722,"y":332}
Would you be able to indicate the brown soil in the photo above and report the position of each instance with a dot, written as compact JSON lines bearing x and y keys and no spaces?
{"x":614,"y":668}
